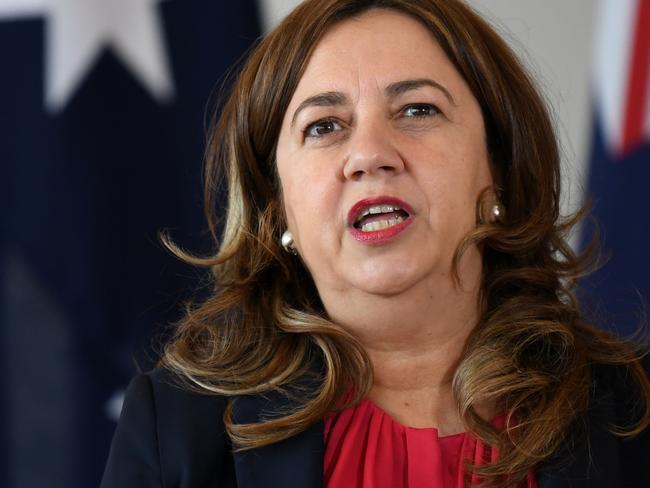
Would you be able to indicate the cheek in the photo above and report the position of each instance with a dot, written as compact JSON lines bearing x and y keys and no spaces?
{"x":311,"y":204}
{"x":469,"y":162}
{"x":291,"y":199}
{"x":452,"y":184}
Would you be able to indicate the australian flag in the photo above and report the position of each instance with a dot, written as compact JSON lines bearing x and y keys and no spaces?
{"x":102,"y":112}
{"x":620,"y":164}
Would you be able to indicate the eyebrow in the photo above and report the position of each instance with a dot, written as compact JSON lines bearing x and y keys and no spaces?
{"x":400,"y":87}
{"x":331,"y":99}
{"x":327,"y":99}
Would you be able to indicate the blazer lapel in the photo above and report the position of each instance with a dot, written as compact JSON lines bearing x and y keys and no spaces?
{"x":295,"y":462}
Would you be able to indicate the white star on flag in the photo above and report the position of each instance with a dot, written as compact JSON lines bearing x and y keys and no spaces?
{"x":78,"y":30}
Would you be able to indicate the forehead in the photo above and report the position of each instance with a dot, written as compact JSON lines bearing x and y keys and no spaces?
{"x":378,"y":47}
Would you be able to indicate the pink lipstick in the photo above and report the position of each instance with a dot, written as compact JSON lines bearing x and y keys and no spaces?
{"x":379,"y":219}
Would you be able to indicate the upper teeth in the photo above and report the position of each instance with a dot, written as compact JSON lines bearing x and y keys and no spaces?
{"x":378,"y":209}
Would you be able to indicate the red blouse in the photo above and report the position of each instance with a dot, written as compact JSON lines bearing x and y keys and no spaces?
{"x":365,"y":447}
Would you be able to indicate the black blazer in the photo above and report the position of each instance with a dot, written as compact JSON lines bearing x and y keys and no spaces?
{"x":171,"y":438}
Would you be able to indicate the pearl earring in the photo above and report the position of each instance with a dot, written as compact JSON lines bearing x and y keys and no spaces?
{"x":497,"y":212}
{"x":287,"y":242}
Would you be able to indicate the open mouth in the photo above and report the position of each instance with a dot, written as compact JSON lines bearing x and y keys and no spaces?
{"x":379,"y":220}
{"x":380,"y":217}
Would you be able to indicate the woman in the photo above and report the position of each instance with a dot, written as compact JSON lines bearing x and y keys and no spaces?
{"x":393,"y":298}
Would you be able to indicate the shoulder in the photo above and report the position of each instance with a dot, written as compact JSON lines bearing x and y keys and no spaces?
{"x":188,"y":424}
{"x":592,"y":455}
{"x":168,"y":436}
{"x":618,"y":393}
{"x":175,"y":401}
{"x":619,"y":387}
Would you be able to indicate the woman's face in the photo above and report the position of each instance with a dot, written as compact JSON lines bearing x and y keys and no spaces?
{"x":382,"y":157}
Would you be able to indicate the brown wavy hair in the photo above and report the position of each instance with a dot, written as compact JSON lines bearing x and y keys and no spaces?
{"x":264,"y":328}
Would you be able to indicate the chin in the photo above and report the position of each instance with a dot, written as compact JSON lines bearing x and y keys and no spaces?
{"x":388,"y":278}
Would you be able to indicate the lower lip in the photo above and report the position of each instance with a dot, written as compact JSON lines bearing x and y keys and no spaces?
{"x":380,"y":236}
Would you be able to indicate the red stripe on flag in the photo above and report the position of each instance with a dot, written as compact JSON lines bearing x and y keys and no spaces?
{"x":637,"y":95}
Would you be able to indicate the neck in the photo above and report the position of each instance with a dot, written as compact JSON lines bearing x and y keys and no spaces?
{"x":414,"y":365}
{"x":415,"y":340}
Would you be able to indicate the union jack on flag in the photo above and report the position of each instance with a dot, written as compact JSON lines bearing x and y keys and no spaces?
{"x":620,"y":161}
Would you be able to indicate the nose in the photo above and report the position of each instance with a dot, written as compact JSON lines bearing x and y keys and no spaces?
{"x":372,"y":152}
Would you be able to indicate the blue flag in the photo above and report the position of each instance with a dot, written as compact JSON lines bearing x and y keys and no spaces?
{"x":102,"y":136}
{"x":620,"y":164}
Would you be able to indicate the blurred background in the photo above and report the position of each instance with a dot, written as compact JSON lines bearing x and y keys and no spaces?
{"x":103,"y":107}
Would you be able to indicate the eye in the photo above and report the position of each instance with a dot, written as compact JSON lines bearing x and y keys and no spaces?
{"x":322,"y":128}
{"x":420,"y":110}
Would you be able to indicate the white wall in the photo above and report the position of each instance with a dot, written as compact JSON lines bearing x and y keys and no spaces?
{"x":554,"y":38}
